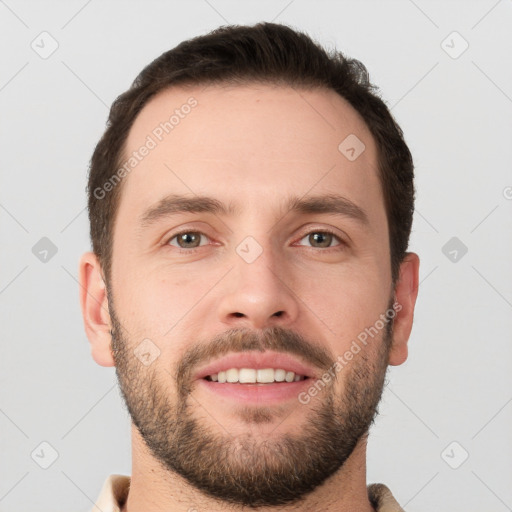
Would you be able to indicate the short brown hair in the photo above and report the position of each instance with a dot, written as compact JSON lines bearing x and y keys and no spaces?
{"x":263,"y":53}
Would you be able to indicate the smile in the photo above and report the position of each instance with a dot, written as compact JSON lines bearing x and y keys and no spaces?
{"x":253,"y":376}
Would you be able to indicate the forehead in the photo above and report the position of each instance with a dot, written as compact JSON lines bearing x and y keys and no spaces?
{"x":247,"y":143}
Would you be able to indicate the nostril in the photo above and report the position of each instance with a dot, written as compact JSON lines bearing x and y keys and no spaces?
{"x":238,"y":315}
{"x":279,"y":313}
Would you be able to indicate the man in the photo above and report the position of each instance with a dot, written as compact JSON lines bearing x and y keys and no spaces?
{"x":250,"y":204}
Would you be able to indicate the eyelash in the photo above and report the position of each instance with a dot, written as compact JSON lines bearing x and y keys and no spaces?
{"x":192,"y":250}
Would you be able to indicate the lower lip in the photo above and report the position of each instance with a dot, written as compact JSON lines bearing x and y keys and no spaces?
{"x":267,"y":394}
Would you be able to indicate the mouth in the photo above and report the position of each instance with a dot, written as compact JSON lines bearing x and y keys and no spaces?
{"x":256,"y":377}
{"x":253,"y":376}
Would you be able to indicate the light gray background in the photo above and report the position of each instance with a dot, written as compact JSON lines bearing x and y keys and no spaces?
{"x":457,"y":117}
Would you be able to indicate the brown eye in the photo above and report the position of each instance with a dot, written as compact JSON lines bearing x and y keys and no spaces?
{"x":321,"y":239}
{"x":187,"y":239}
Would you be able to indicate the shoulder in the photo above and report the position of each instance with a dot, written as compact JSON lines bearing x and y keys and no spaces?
{"x":382,"y":499}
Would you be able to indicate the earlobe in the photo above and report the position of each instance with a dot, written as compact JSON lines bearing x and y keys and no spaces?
{"x":94,"y":304}
{"x":406,"y":292}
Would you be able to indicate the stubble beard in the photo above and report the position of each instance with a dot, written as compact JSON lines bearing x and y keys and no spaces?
{"x":242,"y":470}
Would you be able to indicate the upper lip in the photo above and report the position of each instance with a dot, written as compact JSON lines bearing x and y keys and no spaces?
{"x":257,"y":360}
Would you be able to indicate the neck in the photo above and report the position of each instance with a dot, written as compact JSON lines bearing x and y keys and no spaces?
{"x":155,"y":489}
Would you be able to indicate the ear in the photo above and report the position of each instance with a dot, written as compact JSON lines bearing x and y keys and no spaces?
{"x":94,"y":304}
{"x":406,"y":292}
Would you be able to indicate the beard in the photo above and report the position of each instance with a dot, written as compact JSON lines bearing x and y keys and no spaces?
{"x":242,"y":470}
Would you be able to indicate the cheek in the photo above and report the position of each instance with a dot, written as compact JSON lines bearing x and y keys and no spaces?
{"x":347,"y":301}
{"x":154,"y":306}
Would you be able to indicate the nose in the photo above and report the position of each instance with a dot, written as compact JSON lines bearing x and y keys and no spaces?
{"x":258,"y":294}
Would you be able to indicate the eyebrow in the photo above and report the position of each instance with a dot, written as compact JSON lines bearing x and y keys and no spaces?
{"x":173,"y":204}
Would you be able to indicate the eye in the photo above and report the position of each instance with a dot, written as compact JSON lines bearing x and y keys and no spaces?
{"x":187,"y":239}
{"x":318,"y":239}
{"x":322,"y":239}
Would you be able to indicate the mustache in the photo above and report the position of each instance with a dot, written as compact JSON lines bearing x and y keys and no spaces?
{"x":276,"y":339}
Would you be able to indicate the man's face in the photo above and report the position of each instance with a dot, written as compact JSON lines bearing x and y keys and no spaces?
{"x":260,"y":286}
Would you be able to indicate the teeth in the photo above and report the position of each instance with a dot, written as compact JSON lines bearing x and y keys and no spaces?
{"x":279,"y":375}
{"x":265,"y":375}
{"x":232,"y":375}
{"x":246,"y":375}
{"x":289,"y":376}
{"x":252,"y":376}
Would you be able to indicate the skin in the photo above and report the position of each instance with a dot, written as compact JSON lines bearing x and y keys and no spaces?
{"x":255,"y":146}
